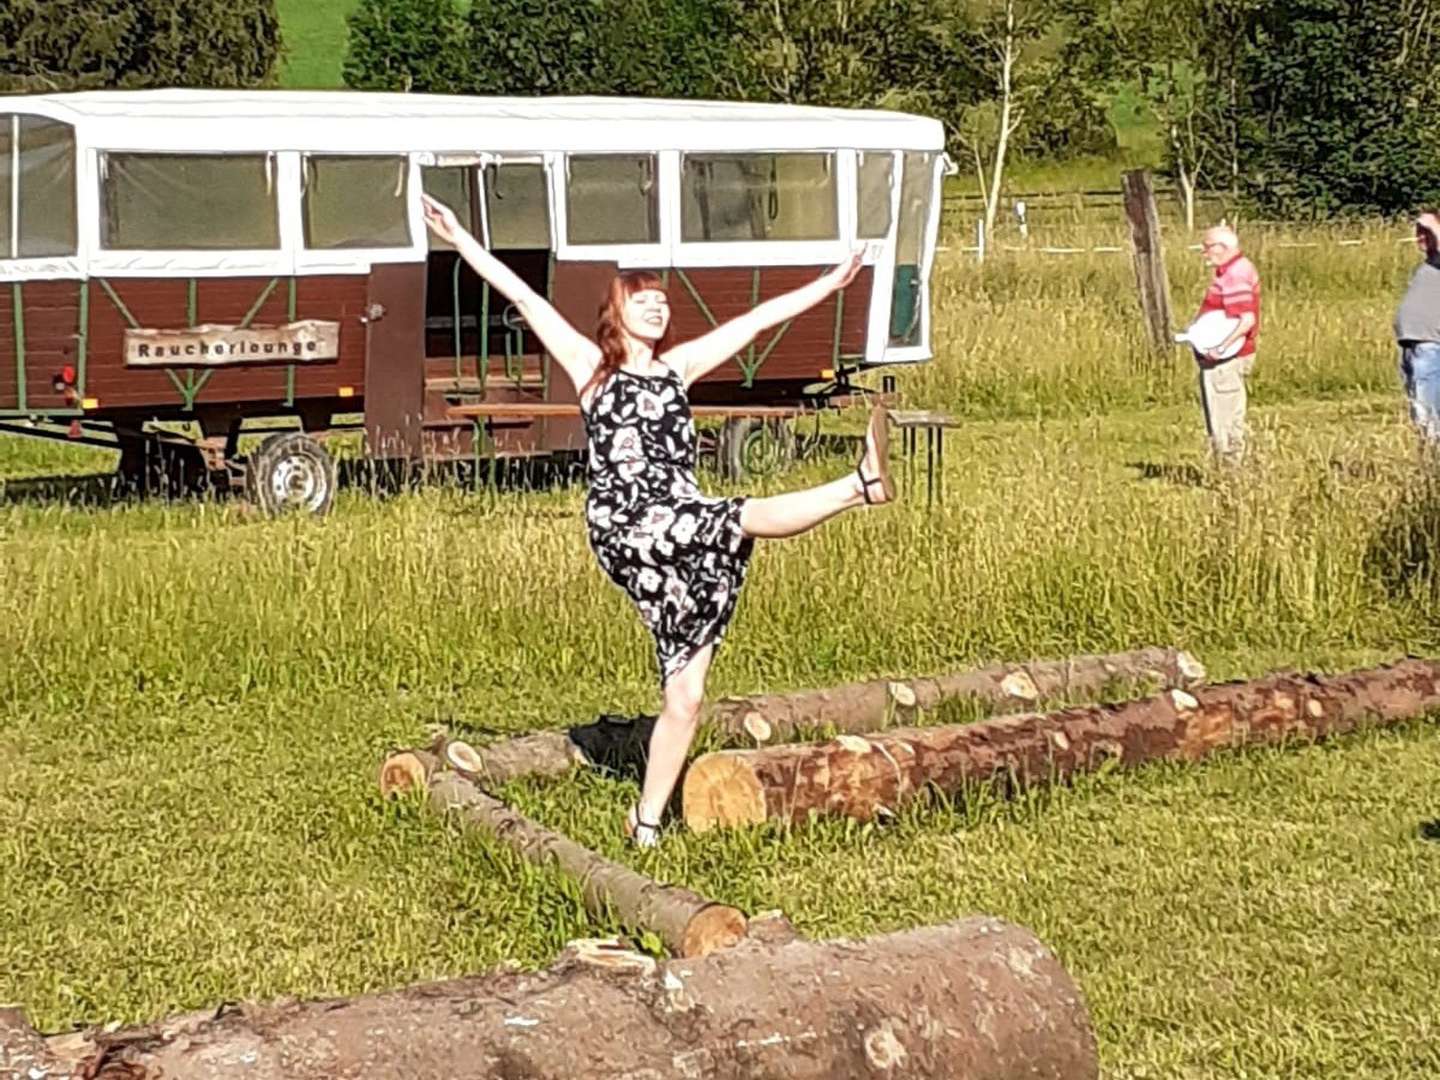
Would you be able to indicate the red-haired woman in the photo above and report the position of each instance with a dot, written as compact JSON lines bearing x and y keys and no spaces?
{"x":679,"y":555}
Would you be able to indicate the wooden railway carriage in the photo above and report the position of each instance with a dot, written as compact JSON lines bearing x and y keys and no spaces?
{"x":257,"y":261}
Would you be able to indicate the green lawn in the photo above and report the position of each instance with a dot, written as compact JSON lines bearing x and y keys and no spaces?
{"x":314,"y":35}
{"x":198,"y":699}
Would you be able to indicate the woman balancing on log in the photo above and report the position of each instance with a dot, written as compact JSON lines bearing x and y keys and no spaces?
{"x":678,"y":554}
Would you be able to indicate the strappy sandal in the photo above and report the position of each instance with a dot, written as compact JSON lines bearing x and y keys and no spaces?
{"x":879,"y":435}
{"x":642,"y":834}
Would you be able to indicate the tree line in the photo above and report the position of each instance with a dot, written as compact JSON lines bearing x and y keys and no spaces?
{"x":1302,"y":108}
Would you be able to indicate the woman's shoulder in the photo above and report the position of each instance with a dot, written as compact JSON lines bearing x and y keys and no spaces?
{"x":676,"y":370}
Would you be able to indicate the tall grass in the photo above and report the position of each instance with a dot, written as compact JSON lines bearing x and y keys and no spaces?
{"x":197,"y":698}
{"x":1031,"y":334}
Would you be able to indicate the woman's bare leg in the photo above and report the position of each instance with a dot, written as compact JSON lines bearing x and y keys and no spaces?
{"x":779,"y":516}
{"x":673,"y":734}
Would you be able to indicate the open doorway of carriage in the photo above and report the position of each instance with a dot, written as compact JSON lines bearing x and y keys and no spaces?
{"x":478,"y":350}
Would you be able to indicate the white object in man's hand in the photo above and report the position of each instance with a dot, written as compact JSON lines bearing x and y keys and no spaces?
{"x":1209,"y":332}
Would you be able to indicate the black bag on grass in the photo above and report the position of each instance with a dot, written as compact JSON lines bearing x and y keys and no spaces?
{"x":618,"y":745}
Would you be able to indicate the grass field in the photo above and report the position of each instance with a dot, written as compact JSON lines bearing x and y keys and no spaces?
{"x":315,"y":40}
{"x":197,"y":699}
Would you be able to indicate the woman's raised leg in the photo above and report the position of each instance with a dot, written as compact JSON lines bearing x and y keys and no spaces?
{"x":776,"y":517}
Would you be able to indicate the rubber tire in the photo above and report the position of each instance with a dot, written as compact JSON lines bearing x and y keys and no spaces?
{"x":290,"y":471}
{"x":749,"y":446}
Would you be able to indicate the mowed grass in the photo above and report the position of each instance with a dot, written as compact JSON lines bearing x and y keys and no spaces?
{"x":198,"y":699}
{"x":315,"y":36}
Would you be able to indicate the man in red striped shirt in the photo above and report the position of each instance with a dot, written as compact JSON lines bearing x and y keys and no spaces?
{"x":1235,"y":290}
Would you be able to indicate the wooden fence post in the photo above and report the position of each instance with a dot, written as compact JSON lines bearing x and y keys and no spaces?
{"x":1149,"y":258}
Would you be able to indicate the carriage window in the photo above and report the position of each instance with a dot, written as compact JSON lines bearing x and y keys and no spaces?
{"x":356,"y":202}
{"x":454,"y":186}
{"x":874,"y":175}
{"x":188,"y":202}
{"x":906,"y":308}
{"x":612,"y":199}
{"x":8,"y":194}
{"x":517,"y":205}
{"x":915,"y":191}
{"x":759,"y":197}
{"x":39,"y":195}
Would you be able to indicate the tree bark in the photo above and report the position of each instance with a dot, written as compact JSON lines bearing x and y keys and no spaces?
{"x":852,"y":707}
{"x":867,"y":777}
{"x":1007,"y":52}
{"x":686,"y":922}
{"x":858,"y":708}
{"x":1149,"y":259}
{"x":541,"y":753}
{"x":979,"y":998}
{"x":1187,"y":196}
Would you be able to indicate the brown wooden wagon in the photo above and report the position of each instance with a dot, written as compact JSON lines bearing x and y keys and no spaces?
{"x":255,"y":262}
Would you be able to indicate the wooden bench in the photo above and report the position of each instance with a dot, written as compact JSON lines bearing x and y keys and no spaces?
{"x":534,"y":410}
{"x":911,"y":422}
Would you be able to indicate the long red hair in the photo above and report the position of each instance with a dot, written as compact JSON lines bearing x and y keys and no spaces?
{"x":610,"y":332}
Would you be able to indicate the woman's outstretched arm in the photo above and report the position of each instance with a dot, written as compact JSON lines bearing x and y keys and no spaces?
{"x":572,"y":350}
{"x":697,"y":358}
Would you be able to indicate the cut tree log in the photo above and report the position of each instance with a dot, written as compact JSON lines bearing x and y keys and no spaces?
{"x":865,"y":777}
{"x":979,"y":998}
{"x":862,"y":707}
{"x":854,"y":707}
{"x":541,"y":753}
{"x":686,"y":922}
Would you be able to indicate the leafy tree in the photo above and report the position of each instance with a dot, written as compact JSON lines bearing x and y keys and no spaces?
{"x":1335,"y":106}
{"x":418,"y":45}
{"x":1301,"y":107}
{"x":1180,"y":56}
{"x":50,"y":45}
{"x":659,"y":48}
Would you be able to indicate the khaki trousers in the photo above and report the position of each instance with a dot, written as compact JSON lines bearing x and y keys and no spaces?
{"x":1223,"y":398}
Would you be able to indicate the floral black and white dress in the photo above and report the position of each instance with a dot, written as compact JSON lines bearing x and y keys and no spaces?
{"x":680,"y":555}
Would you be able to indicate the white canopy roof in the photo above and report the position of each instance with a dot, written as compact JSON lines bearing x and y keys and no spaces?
{"x":360,"y":122}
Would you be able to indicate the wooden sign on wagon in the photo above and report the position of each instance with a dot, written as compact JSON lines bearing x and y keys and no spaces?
{"x":211,"y":345}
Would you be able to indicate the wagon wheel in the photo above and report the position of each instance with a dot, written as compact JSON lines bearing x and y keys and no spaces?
{"x":750,"y":446}
{"x":291,"y":471}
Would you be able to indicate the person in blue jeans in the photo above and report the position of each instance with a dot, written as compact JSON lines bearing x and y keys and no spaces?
{"x":1417,"y":331}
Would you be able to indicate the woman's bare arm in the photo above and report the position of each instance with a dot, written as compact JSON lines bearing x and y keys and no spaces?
{"x":576,"y":354}
{"x":697,"y":358}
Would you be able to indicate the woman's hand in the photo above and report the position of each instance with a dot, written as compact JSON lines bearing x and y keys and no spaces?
{"x":441,"y":219}
{"x":844,"y":274}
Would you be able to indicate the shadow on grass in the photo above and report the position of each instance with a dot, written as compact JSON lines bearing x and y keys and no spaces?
{"x":378,"y":479}
{"x":98,"y":490}
{"x":1182,"y":475}
{"x":1430,"y":830}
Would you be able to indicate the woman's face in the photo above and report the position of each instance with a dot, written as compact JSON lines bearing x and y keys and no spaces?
{"x":646,"y":314}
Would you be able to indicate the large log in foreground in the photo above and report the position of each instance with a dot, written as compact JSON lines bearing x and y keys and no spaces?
{"x":686,"y":922}
{"x":863,"y":777}
{"x":980,"y":998}
{"x":859,"y":708}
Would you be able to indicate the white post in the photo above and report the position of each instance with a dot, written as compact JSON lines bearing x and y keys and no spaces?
{"x":980,"y":239}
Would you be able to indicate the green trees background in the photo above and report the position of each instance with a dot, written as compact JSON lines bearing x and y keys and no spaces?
{"x":51,"y":45}
{"x":1303,"y":108}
